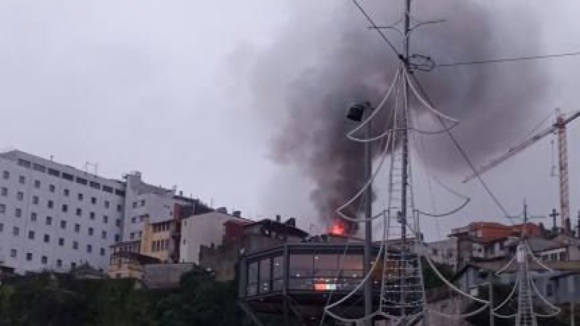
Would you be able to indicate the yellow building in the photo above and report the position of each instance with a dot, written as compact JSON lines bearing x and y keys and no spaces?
{"x":157,"y":240}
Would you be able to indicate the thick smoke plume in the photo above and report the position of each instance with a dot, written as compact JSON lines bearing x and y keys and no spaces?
{"x":326,"y":60}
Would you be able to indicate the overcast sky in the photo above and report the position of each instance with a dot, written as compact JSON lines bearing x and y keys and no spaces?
{"x":157,"y":86}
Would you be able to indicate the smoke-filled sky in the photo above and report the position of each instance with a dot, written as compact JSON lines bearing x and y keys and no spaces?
{"x":227,"y":99}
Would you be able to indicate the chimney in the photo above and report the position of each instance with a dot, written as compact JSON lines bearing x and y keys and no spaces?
{"x":237,"y":213}
{"x":278,"y":218}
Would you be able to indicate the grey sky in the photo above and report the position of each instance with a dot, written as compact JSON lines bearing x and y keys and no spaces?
{"x":158,"y":86}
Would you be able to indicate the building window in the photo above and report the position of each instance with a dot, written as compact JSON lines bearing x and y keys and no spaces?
{"x":117,"y":238}
{"x":2,"y":208}
{"x":92,"y":215}
{"x":50,"y":204}
{"x":75,"y":245}
{"x":22,"y":179}
{"x":61,"y":242}
{"x":36,"y":184}
{"x":107,"y":189}
{"x":119,"y":208}
{"x":18,"y":212}
{"x":79,"y":212}
{"x":67,"y":176}
{"x":65,"y":208}
{"x":31,"y":235}
{"x":77,"y":228}
{"x":13,"y":253}
{"x":29,"y":256}
{"x":39,"y":167}
{"x":95,"y":185}
{"x":33,"y":217}
{"x":102,"y":251}
{"x":6,"y":175}
{"x":54,"y":173}
{"x":52,"y":188}
{"x":66,"y":192}
{"x":104,"y":234}
{"x":107,"y":204}
{"x":1,"y":227}
{"x":63,"y":224}
{"x":80,"y":197}
{"x":82,"y":181}
{"x":4,"y":191}
{"x":133,"y":220}
{"x":132,"y":235}
{"x":16,"y":231}
{"x":46,"y":238}
{"x":105,"y":219}
{"x":20,"y":195}
{"x":117,"y":222}
{"x":89,"y":248}
{"x":59,"y":263}
{"x":35,"y":200}
{"x":24,"y":163}
{"x":91,"y":231}
{"x":93,"y":200}
{"x":44,"y":260}
{"x":48,"y":220}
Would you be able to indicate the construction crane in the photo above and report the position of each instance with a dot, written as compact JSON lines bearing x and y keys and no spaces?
{"x":559,"y":128}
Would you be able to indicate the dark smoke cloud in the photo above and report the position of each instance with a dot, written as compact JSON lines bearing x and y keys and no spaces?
{"x":327,"y":59}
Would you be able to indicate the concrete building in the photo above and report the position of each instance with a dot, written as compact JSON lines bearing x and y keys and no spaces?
{"x":56,"y":217}
{"x":204,"y":229}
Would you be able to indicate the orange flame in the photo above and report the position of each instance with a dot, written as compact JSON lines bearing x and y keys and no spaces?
{"x":337,"y":228}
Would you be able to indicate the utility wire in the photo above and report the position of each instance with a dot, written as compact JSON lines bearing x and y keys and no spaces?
{"x":463,"y":153}
{"x":377,"y":28}
{"x":501,"y":60}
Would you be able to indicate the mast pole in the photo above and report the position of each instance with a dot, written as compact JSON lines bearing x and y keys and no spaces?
{"x":368,"y":286}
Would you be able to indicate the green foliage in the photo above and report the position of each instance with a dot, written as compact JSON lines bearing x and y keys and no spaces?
{"x":430,"y":278}
{"x":51,"y":300}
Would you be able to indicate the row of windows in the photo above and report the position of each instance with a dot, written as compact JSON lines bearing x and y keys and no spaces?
{"x":63,"y":224}
{"x":137,"y":219}
{"x":79,"y":212}
{"x":66,"y":176}
{"x":135,"y":235}
{"x":165,"y":226}
{"x":159,"y":245}
{"x":44,"y":259}
{"x":66,"y":192}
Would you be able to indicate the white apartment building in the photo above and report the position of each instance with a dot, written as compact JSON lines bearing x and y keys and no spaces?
{"x":56,"y":217}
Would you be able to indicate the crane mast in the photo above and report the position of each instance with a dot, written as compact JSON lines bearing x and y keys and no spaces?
{"x":558,"y":128}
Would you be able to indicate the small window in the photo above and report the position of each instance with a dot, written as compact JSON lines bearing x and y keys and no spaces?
{"x":18,"y":212}
{"x":89,"y":248}
{"x":2,"y":208}
{"x":119,"y":208}
{"x":107,"y":189}
{"x":119,"y":193}
{"x":52,"y":188}
{"x":79,"y":212}
{"x":50,"y":204}
{"x":117,"y":238}
{"x":82,"y":181}
{"x":44,"y":260}
{"x":107,"y":204}
{"x":48,"y":220}
{"x":105,"y":219}
{"x":59,"y":263}
{"x":36,"y":184}
{"x":75,"y":245}
{"x":54,"y":172}
{"x":6,"y":175}
{"x":16,"y":231}
{"x":132,"y":235}
{"x":68,"y":177}
{"x":102,"y":251}
{"x":33,"y":217}
{"x":29,"y":256}
{"x":61,"y":242}
{"x":63,"y":224}
{"x":118,"y":222}
{"x":73,"y":265}
{"x":104,"y":234}
{"x":39,"y":167}
{"x":22,"y":179}
{"x":93,"y":200}
{"x":4,"y":191}
{"x":31,"y":235}
{"x":65,"y":208}
{"x":95,"y":185}
{"x":80,"y":197}
{"x":47,"y":238}
{"x":24,"y":163}
{"x":35,"y":200}
{"x":91,"y":231}
{"x":66,"y":192}
{"x":77,"y":228}
{"x":13,"y":253}
{"x":20,"y":195}
{"x":92,"y":215}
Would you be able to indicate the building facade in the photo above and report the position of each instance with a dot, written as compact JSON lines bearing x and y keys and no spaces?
{"x":56,"y":217}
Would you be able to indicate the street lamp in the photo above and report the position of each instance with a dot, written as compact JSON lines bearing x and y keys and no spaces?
{"x":357,"y":113}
